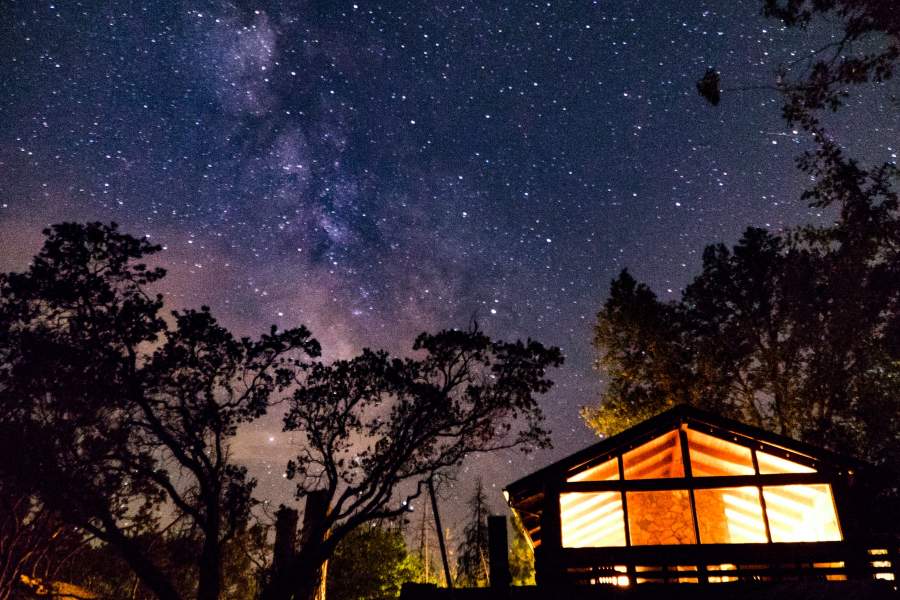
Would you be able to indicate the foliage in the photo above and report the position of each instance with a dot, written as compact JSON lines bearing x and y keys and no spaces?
{"x":800,"y":332}
{"x":473,"y":552}
{"x":521,"y":555}
{"x":102,"y":571}
{"x":797,"y":334}
{"x":373,"y":425}
{"x":123,"y":413}
{"x":866,"y":51}
{"x":371,"y":563}
{"x":34,"y":543}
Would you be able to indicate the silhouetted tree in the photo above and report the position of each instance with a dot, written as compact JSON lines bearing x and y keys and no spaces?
{"x":34,"y":543}
{"x":800,"y":332}
{"x":121,"y":412}
{"x":865,"y":50}
{"x":797,"y":334}
{"x":375,"y":429}
{"x":100,"y":569}
{"x":472,"y":554}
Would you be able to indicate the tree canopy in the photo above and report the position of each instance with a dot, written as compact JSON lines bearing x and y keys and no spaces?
{"x":376,"y":426}
{"x":123,"y":413}
{"x":128,"y":416}
{"x":796,"y":331}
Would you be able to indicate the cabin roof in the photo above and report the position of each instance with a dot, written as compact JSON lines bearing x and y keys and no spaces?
{"x":532,"y":485}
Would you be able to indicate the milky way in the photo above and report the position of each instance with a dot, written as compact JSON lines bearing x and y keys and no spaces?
{"x":373,"y":169}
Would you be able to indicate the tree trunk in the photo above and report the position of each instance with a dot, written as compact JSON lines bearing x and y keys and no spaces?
{"x":312,"y":560}
{"x":302,"y":576}
{"x":309,"y":577}
{"x":146,"y":571}
{"x":278,"y":587}
{"x":209,"y":569}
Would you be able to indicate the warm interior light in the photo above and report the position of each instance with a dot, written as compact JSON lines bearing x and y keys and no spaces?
{"x":769,"y":464}
{"x":658,"y":458}
{"x":607,"y":471}
{"x":713,"y":457}
{"x":592,"y":519}
{"x":660,"y":518}
{"x":801,"y":513}
{"x":730,"y":516}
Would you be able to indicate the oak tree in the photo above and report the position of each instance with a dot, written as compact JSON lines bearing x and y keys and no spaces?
{"x":374,"y":429}
{"x":122,"y":412}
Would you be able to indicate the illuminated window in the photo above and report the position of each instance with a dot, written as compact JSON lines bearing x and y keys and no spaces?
{"x":769,"y":464}
{"x":713,"y":457}
{"x":658,"y":458}
{"x":801,"y":513}
{"x":730,"y":516}
{"x":607,"y":471}
{"x":656,"y":518}
{"x":592,"y":519}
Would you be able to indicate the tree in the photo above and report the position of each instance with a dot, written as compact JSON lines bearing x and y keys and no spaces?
{"x":375,"y":429}
{"x":473,"y":552}
{"x":792,"y":334}
{"x":798,"y":333}
{"x":123,"y":413}
{"x":34,"y":543}
{"x":521,"y":555}
{"x":866,"y":51}
{"x":371,"y":563}
{"x":100,"y":569}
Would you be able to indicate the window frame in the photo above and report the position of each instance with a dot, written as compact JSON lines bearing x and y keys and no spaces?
{"x":690,"y":483}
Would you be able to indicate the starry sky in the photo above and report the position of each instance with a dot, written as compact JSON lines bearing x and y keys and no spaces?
{"x":375,"y":169}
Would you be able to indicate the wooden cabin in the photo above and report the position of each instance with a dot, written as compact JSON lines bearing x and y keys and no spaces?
{"x":691,"y":497}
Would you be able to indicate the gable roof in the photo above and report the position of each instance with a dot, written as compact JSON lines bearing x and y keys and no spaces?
{"x":701,"y":420}
{"x":526,"y":495}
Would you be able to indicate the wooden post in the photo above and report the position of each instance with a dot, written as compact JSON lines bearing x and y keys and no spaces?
{"x":500,"y":576}
{"x":549,"y":554}
{"x":703,"y":576}
{"x":285,"y":549}
{"x":440,"y":532}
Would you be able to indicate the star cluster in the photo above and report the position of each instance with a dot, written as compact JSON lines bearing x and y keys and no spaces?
{"x":375,"y":169}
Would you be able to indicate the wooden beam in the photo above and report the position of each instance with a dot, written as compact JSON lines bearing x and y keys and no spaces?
{"x":697,"y":483}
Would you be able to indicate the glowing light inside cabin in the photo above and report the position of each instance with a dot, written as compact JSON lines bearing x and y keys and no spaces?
{"x":607,"y":471}
{"x":769,"y":464}
{"x":658,"y":458}
{"x":592,"y":519}
{"x":732,"y":515}
{"x":714,"y":457}
{"x":801,"y":513}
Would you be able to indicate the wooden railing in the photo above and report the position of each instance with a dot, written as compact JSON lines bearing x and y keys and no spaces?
{"x":723,"y":563}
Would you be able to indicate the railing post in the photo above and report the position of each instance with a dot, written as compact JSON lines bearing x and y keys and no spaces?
{"x":498,"y":551}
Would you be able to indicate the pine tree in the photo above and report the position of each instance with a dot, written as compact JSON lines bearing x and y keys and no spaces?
{"x":472,"y":561}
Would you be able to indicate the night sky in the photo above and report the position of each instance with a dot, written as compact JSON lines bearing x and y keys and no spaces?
{"x":375,"y":169}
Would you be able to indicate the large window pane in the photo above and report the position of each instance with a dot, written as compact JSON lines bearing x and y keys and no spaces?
{"x":730,"y":516}
{"x":660,"y":518}
{"x":801,"y":513}
{"x":658,"y":458}
{"x":769,"y":464}
{"x":592,"y":519}
{"x":712,"y":456}
{"x":607,"y":471}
